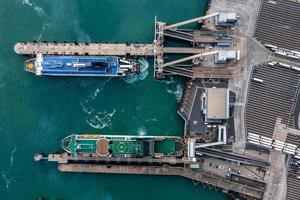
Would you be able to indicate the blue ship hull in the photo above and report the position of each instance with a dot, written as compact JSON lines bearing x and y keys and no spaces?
{"x":101,"y":66}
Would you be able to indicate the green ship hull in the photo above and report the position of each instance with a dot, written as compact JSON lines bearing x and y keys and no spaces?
{"x":90,"y":145}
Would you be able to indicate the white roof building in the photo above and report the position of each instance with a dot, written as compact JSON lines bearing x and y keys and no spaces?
{"x":217,"y":103}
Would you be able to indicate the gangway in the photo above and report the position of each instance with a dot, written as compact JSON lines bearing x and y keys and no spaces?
{"x":188,"y":58}
{"x":179,"y":71}
{"x":179,"y":35}
{"x":232,"y":157}
{"x":190,"y":21}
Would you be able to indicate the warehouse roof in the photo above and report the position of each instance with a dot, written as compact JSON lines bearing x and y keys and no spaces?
{"x":217,"y":103}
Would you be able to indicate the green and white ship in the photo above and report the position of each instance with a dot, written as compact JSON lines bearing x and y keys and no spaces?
{"x":95,"y":145}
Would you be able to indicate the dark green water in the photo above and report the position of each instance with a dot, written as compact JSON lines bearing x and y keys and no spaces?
{"x":37,"y":112}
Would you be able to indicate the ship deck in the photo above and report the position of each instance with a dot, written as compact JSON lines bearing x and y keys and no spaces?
{"x":65,"y":64}
{"x":120,"y":146}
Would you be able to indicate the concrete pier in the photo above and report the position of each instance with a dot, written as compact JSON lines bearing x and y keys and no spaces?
{"x":66,"y":158}
{"x":30,"y":48}
{"x":166,"y":170}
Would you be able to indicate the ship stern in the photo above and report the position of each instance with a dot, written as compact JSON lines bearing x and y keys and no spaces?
{"x":136,"y":67}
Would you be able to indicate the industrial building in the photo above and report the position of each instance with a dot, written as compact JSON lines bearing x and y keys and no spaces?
{"x":217,"y":104}
{"x":226,"y":19}
{"x":225,"y":57}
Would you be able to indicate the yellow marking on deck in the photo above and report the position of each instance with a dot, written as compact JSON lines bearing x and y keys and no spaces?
{"x":30,"y":65}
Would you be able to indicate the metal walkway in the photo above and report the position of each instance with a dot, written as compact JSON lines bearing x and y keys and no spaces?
{"x":232,"y":157}
{"x":190,"y":21}
{"x":197,"y":36}
{"x":168,"y":64}
{"x":179,"y":35}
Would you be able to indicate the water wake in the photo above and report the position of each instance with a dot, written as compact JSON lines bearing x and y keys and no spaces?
{"x":44,"y":28}
{"x":144,"y":65}
{"x":97,"y":91}
{"x":142,"y":131}
{"x":96,"y":119}
{"x":7,"y":180}
{"x":39,"y":10}
{"x":81,"y":35}
{"x":169,"y":80}
{"x":12,"y":155}
{"x":27,"y":2}
{"x":84,"y":107}
{"x":177,"y":91}
{"x":151,"y":120}
{"x":101,"y":120}
{"x":84,"y":103}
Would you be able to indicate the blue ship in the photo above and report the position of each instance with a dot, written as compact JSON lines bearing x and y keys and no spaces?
{"x":101,"y":66}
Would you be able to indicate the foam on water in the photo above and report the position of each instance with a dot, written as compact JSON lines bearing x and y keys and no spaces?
{"x":27,"y":2}
{"x":97,"y":119}
{"x":152,"y":120}
{"x":85,"y":107}
{"x":101,"y":120}
{"x":144,"y":65}
{"x":12,"y":154}
{"x":177,"y":92}
{"x":175,"y":88}
{"x":8,"y":180}
{"x":44,"y":28}
{"x":85,"y":103}
{"x":97,"y":91}
{"x":142,"y":131}
{"x":81,"y":35}
{"x":39,"y":10}
{"x":169,"y":80}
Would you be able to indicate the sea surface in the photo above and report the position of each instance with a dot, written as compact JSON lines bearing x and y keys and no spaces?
{"x":37,"y":112}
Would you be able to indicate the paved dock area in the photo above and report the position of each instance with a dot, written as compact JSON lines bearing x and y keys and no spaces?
{"x":276,"y":175}
{"x":258,"y":152}
{"x":221,"y":168}
{"x":238,"y":158}
{"x":246,"y":10}
{"x":196,"y":175}
{"x":293,"y":180}
{"x":66,"y":158}
{"x":278,"y":24}
{"x":112,"y":49}
{"x":84,"y":49}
